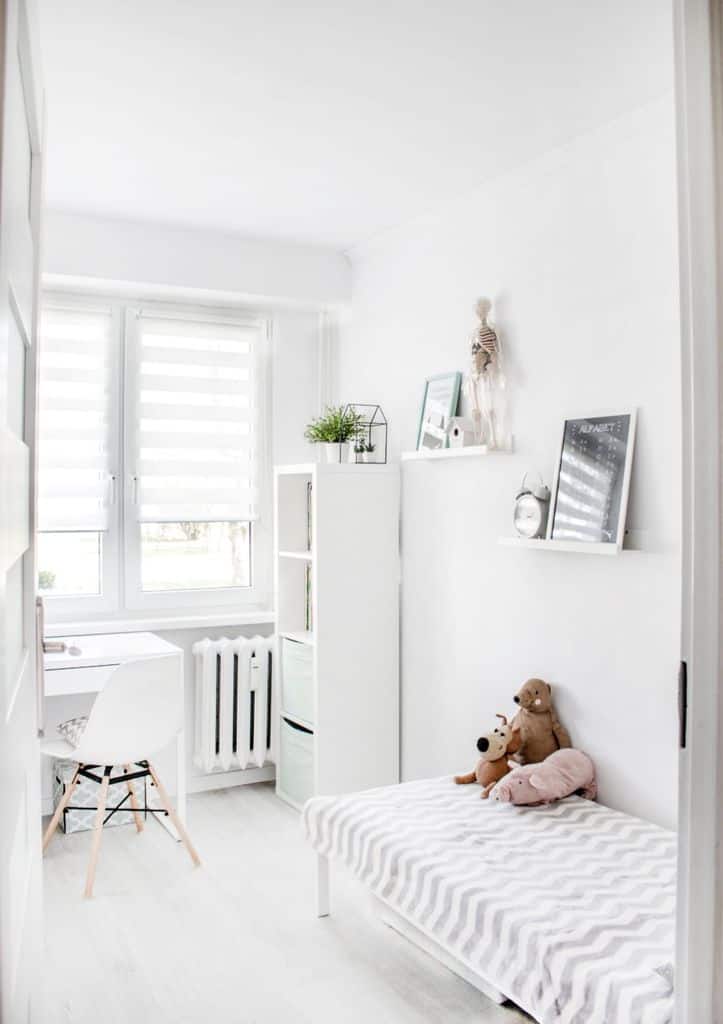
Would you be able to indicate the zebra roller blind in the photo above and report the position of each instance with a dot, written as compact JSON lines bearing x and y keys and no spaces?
{"x":74,"y":419}
{"x":193,"y":423}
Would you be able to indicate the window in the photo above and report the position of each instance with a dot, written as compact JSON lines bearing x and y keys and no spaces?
{"x":69,"y":564}
{"x":192,"y":442}
{"x":169,"y":518}
{"x":197,"y":556}
{"x":77,"y":450}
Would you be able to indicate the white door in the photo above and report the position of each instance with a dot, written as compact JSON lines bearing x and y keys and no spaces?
{"x":699,"y":966}
{"x":20,"y":204}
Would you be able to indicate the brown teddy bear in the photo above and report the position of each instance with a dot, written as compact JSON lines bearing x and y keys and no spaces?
{"x":540,"y":731}
{"x":495,"y":748}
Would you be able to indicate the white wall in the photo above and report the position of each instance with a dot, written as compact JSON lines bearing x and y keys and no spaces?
{"x":161,"y":256}
{"x":578,"y":251}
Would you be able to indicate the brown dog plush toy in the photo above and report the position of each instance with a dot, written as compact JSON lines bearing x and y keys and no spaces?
{"x":540,"y":731}
{"x":495,"y":748}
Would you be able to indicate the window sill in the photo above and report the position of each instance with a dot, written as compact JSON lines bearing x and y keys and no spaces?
{"x":161,"y":623}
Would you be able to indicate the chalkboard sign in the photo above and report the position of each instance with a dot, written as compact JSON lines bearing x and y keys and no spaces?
{"x":592,"y":480}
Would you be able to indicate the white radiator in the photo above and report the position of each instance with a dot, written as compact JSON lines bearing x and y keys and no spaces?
{"x":235,"y":703}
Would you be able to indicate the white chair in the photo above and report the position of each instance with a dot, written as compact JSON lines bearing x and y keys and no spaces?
{"x":139,"y":712}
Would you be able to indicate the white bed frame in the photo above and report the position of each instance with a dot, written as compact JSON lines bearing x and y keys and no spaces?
{"x":412,"y":932}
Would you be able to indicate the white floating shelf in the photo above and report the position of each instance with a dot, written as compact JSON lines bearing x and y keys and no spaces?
{"x":301,"y":636}
{"x":577,"y":546}
{"x":453,"y":453}
{"x":303,"y":556}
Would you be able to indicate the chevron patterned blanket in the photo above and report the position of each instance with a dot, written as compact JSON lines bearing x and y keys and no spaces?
{"x":566,"y":909}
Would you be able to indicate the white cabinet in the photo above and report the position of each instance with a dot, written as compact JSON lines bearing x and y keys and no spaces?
{"x":337,"y":596}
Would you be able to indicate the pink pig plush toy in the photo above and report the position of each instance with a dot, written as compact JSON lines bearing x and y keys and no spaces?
{"x":558,"y":776}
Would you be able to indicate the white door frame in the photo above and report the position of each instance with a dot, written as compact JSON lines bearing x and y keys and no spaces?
{"x":20,"y":214}
{"x":698,"y":981}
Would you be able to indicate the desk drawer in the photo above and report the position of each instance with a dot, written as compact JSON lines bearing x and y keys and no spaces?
{"x":61,"y":681}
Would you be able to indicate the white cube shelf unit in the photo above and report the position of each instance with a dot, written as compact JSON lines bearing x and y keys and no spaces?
{"x":336,"y":549}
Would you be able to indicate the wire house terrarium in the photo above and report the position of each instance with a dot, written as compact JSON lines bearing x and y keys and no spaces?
{"x":370,"y":445}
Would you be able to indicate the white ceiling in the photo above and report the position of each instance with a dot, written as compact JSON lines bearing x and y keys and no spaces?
{"x":325,"y":121}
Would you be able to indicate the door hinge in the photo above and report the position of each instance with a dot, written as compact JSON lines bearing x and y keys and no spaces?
{"x":682,"y":704}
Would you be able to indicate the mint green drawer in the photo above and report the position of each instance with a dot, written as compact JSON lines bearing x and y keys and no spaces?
{"x":297,"y":680}
{"x":296,"y":763}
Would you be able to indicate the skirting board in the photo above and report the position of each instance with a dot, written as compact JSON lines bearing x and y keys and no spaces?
{"x":221,"y":780}
{"x":433,"y":948}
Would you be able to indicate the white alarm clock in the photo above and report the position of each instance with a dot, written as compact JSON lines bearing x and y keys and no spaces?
{"x":532,"y":505}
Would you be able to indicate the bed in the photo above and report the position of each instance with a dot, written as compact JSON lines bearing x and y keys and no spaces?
{"x":566,"y":910}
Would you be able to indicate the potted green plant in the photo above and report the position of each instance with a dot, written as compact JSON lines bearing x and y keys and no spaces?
{"x":362,"y":450}
{"x":334,"y":430}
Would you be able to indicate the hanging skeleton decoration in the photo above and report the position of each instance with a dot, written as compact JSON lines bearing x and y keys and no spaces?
{"x":485,"y":383}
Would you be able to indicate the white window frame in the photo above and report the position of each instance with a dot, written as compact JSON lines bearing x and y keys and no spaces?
{"x":81,"y":606}
{"x":121,"y":565}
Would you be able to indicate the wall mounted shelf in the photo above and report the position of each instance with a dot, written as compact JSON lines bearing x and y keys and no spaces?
{"x":469,"y":452}
{"x":578,"y":547}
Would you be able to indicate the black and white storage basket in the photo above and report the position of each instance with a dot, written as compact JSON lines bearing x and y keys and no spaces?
{"x":79,"y":816}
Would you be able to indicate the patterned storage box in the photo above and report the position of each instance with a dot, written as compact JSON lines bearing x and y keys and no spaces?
{"x":80,"y":816}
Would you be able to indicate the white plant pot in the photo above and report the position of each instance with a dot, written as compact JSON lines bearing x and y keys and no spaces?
{"x":335,"y":452}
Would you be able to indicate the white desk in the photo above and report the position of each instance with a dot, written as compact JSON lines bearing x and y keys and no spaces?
{"x":88,"y":672}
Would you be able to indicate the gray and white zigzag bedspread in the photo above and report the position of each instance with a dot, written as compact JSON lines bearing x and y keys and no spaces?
{"x":568,"y":909}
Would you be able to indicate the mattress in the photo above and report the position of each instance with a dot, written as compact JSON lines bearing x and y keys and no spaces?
{"x":566,"y":909}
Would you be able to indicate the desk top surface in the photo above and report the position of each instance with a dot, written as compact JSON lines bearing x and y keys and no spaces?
{"x":107,"y":649}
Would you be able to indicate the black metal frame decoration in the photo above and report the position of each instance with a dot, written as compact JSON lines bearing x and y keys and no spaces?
{"x":373,"y":433}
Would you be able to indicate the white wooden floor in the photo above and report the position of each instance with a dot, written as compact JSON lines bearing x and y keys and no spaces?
{"x":235,"y":940}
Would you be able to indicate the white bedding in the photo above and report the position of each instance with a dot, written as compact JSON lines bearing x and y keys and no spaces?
{"x":567,"y":909}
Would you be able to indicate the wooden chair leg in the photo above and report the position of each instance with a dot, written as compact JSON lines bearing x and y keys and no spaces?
{"x":97,"y":831}
{"x":134,"y":803}
{"x":168,"y":807}
{"x":64,"y":801}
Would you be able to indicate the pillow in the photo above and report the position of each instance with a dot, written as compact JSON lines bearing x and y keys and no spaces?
{"x":73,"y":729}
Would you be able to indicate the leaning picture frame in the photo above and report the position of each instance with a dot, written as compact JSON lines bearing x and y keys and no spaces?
{"x":591,"y":484}
{"x":439,"y":405}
